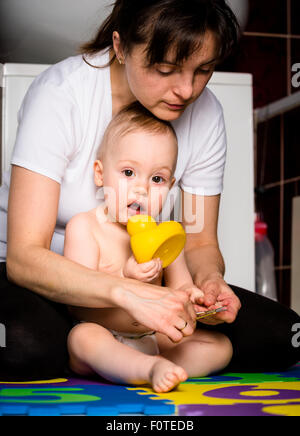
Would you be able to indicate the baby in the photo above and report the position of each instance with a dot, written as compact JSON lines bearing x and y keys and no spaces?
{"x":135,"y":167}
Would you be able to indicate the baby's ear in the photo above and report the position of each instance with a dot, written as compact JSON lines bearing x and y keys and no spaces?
{"x":98,"y":173}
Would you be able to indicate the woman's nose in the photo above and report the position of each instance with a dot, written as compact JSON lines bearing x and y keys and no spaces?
{"x":184,"y":87}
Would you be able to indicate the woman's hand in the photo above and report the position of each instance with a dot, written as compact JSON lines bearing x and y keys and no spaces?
{"x":216,"y":294}
{"x":144,"y":272}
{"x":161,"y":309}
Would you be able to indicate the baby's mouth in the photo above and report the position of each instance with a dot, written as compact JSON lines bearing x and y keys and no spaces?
{"x":136,"y":208}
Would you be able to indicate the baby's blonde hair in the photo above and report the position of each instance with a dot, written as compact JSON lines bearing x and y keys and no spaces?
{"x":134,"y":117}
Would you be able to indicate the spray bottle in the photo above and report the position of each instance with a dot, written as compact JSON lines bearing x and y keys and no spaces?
{"x":264,"y":262}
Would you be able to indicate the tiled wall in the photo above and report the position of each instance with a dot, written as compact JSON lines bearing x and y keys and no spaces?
{"x":270,"y":46}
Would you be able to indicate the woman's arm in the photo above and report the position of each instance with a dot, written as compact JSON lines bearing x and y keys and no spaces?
{"x":202,"y":234}
{"x":203,"y":255}
{"x":32,"y":212}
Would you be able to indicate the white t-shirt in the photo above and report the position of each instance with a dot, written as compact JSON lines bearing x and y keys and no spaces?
{"x":62,"y":121}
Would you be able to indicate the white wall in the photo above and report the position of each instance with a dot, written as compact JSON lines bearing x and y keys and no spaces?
{"x":46,"y":31}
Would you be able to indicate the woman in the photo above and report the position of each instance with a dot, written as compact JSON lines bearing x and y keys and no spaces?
{"x":161,"y":53}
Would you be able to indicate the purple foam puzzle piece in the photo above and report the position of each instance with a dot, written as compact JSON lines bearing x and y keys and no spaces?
{"x":254,"y":409}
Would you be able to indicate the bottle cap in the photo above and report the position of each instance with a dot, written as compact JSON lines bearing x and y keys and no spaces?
{"x":261,"y":229}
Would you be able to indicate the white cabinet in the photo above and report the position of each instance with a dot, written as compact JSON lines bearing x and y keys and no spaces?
{"x":236,"y":223}
{"x":15,"y":80}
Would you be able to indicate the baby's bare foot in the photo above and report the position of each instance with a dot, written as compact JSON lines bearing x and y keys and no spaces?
{"x":165,"y":375}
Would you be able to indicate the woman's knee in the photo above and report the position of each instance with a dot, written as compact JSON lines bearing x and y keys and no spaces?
{"x":36,"y":336}
{"x":28,"y":357}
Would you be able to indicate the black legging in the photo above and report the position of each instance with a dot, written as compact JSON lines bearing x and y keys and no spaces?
{"x":37,"y":330}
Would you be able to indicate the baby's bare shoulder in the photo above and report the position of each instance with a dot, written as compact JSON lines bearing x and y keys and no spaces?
{"x":82,"y":222}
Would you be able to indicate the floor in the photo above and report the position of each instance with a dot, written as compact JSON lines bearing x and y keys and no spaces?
{"x":264,"y":394}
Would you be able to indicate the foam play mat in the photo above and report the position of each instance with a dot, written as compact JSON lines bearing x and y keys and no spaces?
{"x":263,"y":394}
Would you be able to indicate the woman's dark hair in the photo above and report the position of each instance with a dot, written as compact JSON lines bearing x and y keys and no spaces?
{"x":165,"y":25}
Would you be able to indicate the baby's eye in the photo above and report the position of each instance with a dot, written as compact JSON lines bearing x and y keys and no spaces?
{"x":158,"y":179}
{"x":128,"y":173}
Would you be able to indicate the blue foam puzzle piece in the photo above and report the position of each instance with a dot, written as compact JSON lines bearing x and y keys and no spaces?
{"x":70,"y":399}
{"x":13,"y":410}
{"x":72,"y":409}
{"x":293,"y":372}
{"x":167,"y":409}
{"x":102,"y":411}
{"x":44,"y":411}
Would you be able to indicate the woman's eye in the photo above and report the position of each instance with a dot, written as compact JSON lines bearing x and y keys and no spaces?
{"x":128,"y":173}
{"x":165,"y":70}
{"x":164,"y":73}
{"x":204,"y":71}
{"x":157,"y":179}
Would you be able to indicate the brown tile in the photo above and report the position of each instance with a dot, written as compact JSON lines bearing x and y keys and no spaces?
{"x":285,"y":288}
{"x":267,"y":16}
{"x":295,"y":14}
{"x":278,"y":277}
{"x":283,"y":283}
{"x":291,"y":144}
{"x":268,"y":152}
{"x":266,"y":59}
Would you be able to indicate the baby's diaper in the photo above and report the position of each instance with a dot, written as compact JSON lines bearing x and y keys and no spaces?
{"x":145,"y":342}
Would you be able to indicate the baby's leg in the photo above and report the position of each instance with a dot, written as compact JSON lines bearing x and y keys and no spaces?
{"x":200,"y":354}
{"x":93,"y":349}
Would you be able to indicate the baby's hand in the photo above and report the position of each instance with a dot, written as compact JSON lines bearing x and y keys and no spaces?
{"x":145,"y":272}
{"x":196,"y":296}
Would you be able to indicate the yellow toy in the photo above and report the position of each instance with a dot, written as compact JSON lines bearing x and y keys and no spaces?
{"x":150,"y":241}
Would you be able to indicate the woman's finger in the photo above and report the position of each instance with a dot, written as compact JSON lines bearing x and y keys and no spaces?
{"x":184,"y":327}
{"x":211,"y":296}
{"x":173,"y":334}
{"x":188,"y":309}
